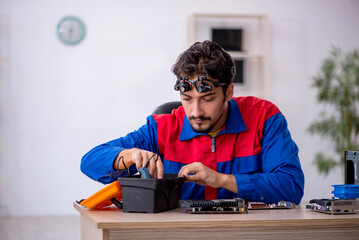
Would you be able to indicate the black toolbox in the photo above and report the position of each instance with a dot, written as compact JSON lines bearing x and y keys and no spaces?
{"x":151,"y":195}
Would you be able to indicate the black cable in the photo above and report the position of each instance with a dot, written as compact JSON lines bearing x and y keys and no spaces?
{"x":123,"y":162}
{"x":157,"y":158}
{"x":146,"y":165}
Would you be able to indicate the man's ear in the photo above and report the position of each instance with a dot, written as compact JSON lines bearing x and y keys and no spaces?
{"x":229,"y":92}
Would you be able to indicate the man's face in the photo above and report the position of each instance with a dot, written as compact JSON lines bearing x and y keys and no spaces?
{"x":206,"y":112}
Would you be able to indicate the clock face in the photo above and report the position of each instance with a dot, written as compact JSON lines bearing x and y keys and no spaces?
{"x":71,"y":30}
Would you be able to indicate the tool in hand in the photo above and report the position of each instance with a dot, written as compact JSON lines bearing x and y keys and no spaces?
{"x":144,"y":170}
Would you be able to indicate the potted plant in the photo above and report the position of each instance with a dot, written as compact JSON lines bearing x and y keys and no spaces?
{"x":337,"y":86}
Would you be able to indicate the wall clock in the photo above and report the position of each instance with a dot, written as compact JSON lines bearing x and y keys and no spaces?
{"x":70,"y":30}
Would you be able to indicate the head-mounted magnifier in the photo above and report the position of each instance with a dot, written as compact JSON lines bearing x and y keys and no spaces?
{"x":202,"y":84}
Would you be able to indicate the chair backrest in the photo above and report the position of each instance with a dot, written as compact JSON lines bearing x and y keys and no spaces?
{"x":167,"y":108}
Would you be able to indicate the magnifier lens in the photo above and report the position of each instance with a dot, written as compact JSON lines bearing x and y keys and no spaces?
{"x":199,"y":88}
{"x":182,"y":89}
{"x":202,"y":84}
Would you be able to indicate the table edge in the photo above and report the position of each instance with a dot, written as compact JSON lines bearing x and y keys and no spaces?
{"x":252,"y":223}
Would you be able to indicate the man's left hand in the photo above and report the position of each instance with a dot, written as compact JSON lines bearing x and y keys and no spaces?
{"x":199,"y":173}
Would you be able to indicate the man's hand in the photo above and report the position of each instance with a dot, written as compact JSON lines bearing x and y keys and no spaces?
{"x":140,"y":158}
{"x":203,"y":175}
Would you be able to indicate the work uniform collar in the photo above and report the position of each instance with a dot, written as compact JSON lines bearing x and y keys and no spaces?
{"x":234,"y":123}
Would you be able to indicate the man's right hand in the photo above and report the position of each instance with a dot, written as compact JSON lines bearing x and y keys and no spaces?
{"x":140,"y":158}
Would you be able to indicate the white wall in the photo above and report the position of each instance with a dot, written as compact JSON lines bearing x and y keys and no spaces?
{"x":57,"y":102}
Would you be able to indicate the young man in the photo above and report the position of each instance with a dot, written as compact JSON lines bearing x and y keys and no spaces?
{"x":225,"y":146}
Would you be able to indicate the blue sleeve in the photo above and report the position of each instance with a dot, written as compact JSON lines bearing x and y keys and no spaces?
{"x":97,"y":163}
{"x":282,"y":177}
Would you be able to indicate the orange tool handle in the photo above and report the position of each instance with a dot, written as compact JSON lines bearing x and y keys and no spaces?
{"x":103,"y":197}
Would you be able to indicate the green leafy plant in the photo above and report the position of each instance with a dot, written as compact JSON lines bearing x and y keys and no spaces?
{"x":337,"y":86}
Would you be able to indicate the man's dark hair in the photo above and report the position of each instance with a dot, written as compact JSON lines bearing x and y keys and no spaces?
{"x":206,"y":58}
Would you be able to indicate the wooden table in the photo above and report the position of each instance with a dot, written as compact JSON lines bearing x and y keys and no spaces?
{"x":298,"y":223}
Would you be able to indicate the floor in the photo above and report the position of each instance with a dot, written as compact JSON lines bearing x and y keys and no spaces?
{"x":40,"y":228}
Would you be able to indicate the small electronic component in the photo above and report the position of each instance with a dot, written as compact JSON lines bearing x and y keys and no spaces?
{"x":351,"y":167}
{"x":261,"y":205}
{"x":346,"y":191}
{"x":334,"y":206}
{"x":345,"y":201}
{"x":346,"y":196}
{"x":236,"y":205}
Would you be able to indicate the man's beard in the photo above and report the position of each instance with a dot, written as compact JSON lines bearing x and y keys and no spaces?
{"x":199,"y":129}
{"x":208,"y":129}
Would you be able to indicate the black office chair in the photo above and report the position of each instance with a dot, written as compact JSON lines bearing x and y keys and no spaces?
{"x":167,"y":108}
